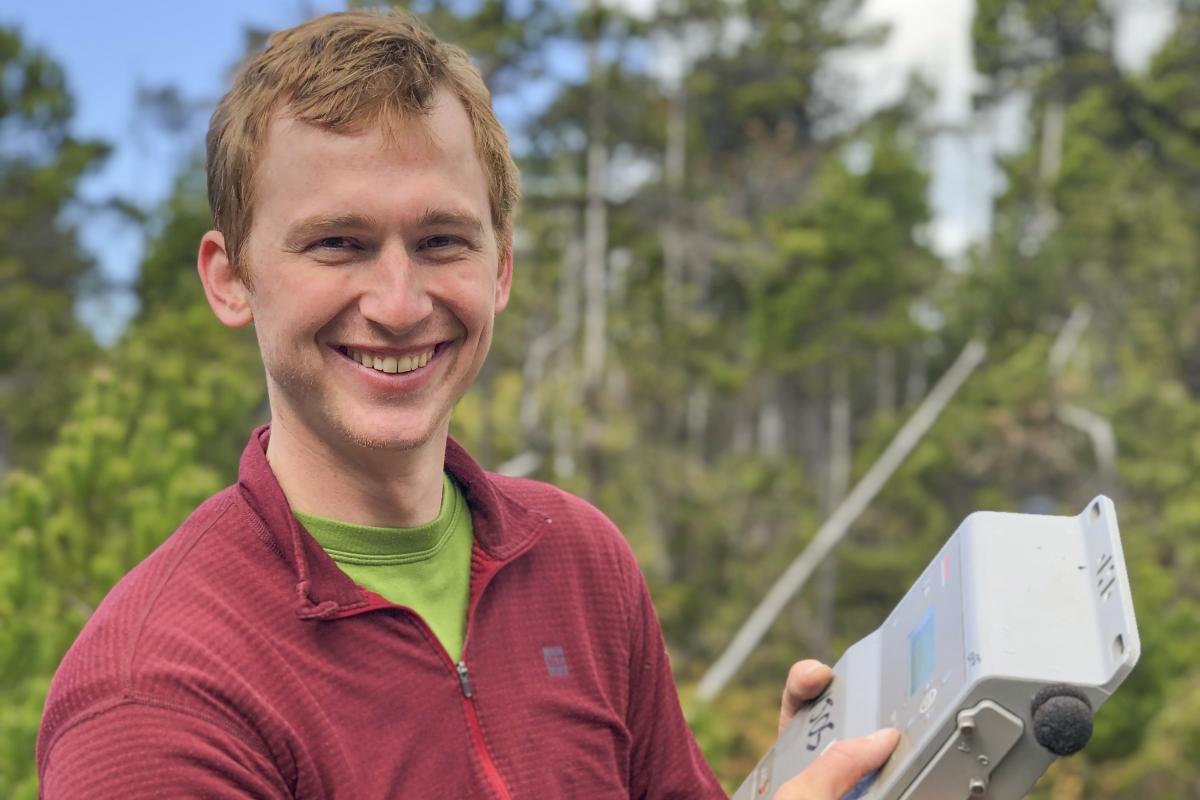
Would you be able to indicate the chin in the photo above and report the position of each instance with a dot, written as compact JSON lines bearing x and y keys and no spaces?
{"x":380,"y":437}
{"x":384,"y":441}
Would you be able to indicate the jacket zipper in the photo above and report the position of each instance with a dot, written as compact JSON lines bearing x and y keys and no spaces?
{"x":464,"y":680}
{"x":468,"y":690}
{"x":491,"y":771}
{"x":481,"y":748}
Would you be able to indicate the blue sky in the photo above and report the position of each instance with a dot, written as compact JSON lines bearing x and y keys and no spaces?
{"x":108,"y":48}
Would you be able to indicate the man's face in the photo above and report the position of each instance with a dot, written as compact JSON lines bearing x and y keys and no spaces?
{"x":365,"y":250}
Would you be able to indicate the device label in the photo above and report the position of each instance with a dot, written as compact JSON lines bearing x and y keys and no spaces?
{"x":820,"y":720}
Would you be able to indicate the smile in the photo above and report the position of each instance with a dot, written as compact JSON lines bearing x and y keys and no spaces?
{"x":390,"y":364}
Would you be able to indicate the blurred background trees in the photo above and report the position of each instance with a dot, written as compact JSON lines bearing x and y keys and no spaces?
{"x":727,"y":301}
{"x":42,"y":268}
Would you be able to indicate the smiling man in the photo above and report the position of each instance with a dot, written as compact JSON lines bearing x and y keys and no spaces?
{"x":367,"y":612}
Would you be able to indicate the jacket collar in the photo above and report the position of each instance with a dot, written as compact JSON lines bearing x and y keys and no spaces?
{"x":503,"y":530}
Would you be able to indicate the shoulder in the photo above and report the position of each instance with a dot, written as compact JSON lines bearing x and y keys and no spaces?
{"x":152,"y":622}
{"x":138,"y":596}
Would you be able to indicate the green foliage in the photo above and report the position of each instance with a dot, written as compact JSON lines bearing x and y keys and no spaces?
{"x":167,"y":277}
{"x":1122,"y":240}
{"x":158,"y":427}
{"x":41,"y":264}
{"x":148,"y":441}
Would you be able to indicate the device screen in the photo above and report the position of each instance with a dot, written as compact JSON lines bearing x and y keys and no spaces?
{"x":920,"y":650}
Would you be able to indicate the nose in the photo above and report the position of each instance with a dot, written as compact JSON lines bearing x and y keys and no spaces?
{"x":395,"y":297}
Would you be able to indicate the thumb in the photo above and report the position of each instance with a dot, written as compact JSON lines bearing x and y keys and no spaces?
{"x":841,"y":767}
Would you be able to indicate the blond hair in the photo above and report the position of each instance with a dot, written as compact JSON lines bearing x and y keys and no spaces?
{"x":347,"y":72}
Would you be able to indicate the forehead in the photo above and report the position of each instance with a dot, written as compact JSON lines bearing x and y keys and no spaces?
{"x":430,"y":158}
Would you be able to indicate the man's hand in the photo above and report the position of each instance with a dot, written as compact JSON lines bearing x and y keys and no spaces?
{"x":805,"y":682}
{"x":836,"y":771}
{"x":841,"y":767}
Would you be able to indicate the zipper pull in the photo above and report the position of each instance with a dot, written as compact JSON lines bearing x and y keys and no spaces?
{"x":464,"y":680}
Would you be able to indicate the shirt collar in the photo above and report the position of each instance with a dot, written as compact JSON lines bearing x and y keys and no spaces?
{"x":503,"y":528}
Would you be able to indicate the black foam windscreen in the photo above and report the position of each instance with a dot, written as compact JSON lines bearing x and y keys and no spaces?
{"x":1062,"y":719}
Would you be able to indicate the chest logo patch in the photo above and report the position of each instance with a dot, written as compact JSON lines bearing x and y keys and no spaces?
{"x":556,"y":662}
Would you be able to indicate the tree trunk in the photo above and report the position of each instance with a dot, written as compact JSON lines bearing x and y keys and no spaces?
{"x":885,"y":381}
{"x":543,"y":348}
{"x":837,"y":483}
{"x":917,"y":381}
{"x":595,"y":311}
{"x":697,"y":421}
{"x":770,"y":420}
{"x":595,"y":238}
{"x":674,"y":164}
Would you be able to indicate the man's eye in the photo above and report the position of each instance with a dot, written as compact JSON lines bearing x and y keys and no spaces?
{"x":440,"y":242}
{"x":332,"y":243}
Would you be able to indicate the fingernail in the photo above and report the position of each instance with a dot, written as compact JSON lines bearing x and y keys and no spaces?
{"x":881,"y":734}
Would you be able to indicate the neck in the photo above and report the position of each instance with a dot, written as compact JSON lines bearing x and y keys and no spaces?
{"x":384,"y":488}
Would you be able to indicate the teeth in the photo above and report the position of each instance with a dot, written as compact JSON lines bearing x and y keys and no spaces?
{"x":389,"y":364}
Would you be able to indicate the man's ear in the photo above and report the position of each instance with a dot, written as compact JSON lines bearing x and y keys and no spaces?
{"x":504,"y":277}
{"x":228,"y":296}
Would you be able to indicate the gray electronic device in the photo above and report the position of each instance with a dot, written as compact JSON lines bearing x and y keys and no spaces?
{"x":990,"y":666}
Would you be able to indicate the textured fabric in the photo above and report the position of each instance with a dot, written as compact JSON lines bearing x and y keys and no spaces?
{"x":426,"y":569}
{"x":239,"y":661}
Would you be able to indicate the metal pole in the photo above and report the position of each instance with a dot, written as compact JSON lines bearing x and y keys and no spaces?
{"x":839,"y":522}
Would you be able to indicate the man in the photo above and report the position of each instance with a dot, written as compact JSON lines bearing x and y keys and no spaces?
{"x":367,"y":613}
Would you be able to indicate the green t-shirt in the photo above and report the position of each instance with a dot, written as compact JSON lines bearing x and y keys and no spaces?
{"x":427,"y":569}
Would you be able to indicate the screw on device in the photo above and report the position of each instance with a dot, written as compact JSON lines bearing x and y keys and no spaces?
{"x":1062,"y":719}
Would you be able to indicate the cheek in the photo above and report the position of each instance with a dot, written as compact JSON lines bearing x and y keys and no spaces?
{"x":304,"y":303}
{"x":473,"y":301}
{"x":282,"y":322}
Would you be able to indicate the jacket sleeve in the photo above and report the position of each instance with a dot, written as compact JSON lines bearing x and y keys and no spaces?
{"x":133,"y":751}
{"x":666,"y":762}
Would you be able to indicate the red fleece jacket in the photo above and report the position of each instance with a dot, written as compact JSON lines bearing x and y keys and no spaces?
{"x":238,"y":660}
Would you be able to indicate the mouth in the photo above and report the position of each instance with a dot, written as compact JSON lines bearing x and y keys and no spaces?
{"x":389,"y":363}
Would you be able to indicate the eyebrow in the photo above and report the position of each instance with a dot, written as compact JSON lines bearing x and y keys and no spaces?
{"x":433,"y":218}
{"x":300,"y":234}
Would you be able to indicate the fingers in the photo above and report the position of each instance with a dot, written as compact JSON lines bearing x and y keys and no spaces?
{"x":841,"y":767}
{"x":805,"y":681}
